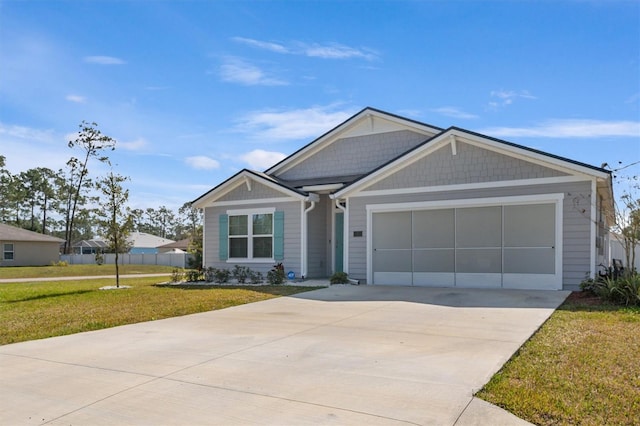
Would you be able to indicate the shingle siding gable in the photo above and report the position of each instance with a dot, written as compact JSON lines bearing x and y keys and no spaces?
{"x":471,"y":164}
{"x":354,"y":155}
{"x":258,"y":191}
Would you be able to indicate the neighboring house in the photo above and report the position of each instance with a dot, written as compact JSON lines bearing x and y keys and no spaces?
{"x":390,"y":200}
{"x":143,"y":243}
{"x":89,"y":246}
{"x":21,"y":247}
{"x":180,"y":246}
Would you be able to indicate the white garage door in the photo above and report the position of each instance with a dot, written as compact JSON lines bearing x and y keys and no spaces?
{"x":510,"y":246}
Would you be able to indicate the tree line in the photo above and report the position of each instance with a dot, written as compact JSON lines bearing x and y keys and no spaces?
{"x":74,"y":205}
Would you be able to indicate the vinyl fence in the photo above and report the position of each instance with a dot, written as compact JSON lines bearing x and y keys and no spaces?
{"x":618,"y":252}
{"x":178,"y":260}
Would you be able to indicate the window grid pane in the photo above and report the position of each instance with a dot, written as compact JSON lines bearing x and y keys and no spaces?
{"x":262,"y":224}
{"x":262,"y":247}
{"x":238,"y":225}
{"x":238,"y":247}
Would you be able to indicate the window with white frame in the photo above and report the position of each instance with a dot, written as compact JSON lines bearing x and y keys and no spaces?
{"x":7,"y":251}
{"x":251,"y":234}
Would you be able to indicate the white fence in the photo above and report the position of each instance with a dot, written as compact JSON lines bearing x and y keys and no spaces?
{"x":179,"y":260}
{"x":617,"y":252}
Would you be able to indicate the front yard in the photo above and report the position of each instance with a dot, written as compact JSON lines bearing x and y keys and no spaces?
{"x":37,"y":310}
{"x":582,"y":367}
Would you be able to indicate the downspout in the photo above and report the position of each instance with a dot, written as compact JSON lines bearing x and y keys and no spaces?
{"x":305,"y":239}
{"x":345,"y":234}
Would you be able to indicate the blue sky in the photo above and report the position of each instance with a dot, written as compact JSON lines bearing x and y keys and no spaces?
{"x":194,"y":91}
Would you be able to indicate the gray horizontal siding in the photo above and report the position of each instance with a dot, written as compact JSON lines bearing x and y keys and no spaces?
{"x":258,"y":190}
{"x":576,"y":223}
{"x":354,"y":155}
{"x":471,"y":164}
{"x":292,"y":237}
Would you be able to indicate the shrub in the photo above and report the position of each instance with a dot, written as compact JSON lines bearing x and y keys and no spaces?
{"x":276,"y":275}
{"x":193,"y":275}
{"x":339,"y":278}
{"x":241,"y":273}
{"x":99,"y":258}
{"x":623,"y":290}
{"x":209,"y":274}
{"x":60,"y":263}
{"x":177,"y":275}
{"x":221,"y":276}
{"x":256,"y":277}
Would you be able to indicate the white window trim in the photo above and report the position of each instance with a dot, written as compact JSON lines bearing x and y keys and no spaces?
{"x":249,"y":213}
{"x":5,"y":251}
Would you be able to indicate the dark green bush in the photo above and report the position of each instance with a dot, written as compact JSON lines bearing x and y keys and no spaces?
{"x":623,"y":290}
{"x":241,"y":273}
{"x":339,"y":278}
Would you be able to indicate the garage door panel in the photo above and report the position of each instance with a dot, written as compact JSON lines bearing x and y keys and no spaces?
{"x":479,"y":227}
{"x":530,"y":260}
{"x":478,"y":280}
{"x":510,"y":246}
{"x":392,"y":260}
{"x":392,"y":230}
{"x":393,"y":278}
{"x":531,"y":225}
{"x":434,"y":228}
{"x":435,"y":260}
{"x":479,"y":261}
{"x":434,"y":279}
{"x":531,"y":281}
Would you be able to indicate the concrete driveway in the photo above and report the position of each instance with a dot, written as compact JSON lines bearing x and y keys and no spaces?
{"x":341,"y":355}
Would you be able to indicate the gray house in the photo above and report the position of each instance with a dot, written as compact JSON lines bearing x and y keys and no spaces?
{"x":397,"y":202}
{"x":21,"y":247}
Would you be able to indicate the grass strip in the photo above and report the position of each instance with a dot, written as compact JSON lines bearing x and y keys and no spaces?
{"x":79,"y":270}
{"x":38,"y":310}
{"x":581,"y":367}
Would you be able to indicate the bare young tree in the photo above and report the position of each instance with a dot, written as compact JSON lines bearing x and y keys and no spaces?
{"x":92,"y":143}
{"x":116,"y":220}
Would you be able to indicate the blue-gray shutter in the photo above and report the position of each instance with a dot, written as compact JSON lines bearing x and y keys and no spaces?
{"x":278,"y":235}
{"x":223,"y":238}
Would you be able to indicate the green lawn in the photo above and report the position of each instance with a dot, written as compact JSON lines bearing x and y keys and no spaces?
{"x":78,"y":270}
{"x":44,"y":309}
{"x":582,"y":367}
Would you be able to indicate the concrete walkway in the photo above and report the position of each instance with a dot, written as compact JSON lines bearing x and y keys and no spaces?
{"x":341,"y":355}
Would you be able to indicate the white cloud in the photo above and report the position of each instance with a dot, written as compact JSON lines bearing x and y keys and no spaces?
{"x":261,"y":159}
{"x":274,"y":47}
{"x":314,"y":50}
{"x":569,"y":128}
{"x":26,"y":133}
{"x":134,"y":145}
{"x":201,"y":162}
{"x":337,"y":51}
{"x":76,"y":98}
{"x":454,"y":112}
{"x":294,"y":124}
{"x":507,"y":97}
{"x":104,"y":60}
{"x":235,"y":70}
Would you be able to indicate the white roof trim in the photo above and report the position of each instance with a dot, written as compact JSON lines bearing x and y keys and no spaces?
{"x":334,"y":134}
{"x":484,"y":142}
{"x":242,"y":179}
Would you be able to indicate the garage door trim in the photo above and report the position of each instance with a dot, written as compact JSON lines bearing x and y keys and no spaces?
{"x":554,"y":198}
